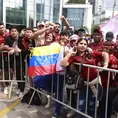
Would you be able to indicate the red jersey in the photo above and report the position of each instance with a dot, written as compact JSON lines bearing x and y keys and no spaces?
{"x":113,"y":64}
{"x":93,"y":72}
{"x":2,"y":37}
{"x":57,"y":37}
{"x":116,"y":50}
{"x":2,"y":41}
{"x":96,"y":47}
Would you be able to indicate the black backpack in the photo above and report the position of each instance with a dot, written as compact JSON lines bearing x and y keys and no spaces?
{"x":36,"y":99}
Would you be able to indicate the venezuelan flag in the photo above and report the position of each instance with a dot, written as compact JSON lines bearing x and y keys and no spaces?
{"x":43,"y":60}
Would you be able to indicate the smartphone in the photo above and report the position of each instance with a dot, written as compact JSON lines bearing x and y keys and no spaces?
{"x":75,"y":49}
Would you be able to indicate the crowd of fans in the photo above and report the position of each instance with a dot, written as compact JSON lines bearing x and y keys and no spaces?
{"x":101,"y":52}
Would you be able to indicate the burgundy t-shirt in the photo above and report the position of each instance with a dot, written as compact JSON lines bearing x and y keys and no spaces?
{"x":2,"y":37}
{"x":113,"y":64}
{"x":2,"y":41}
{"x":97,"y":47}
{"x":57,"y":38}
{"x":85,"y":70}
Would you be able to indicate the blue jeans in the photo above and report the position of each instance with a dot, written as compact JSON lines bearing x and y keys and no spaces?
{"x":90,"y":103}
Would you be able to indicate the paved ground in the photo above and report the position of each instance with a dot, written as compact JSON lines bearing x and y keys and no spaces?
{"x":13,"y":108}
{"x":21,"y":110}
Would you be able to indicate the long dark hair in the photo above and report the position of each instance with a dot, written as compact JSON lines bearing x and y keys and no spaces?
{"x":87,"y":53}
{"x":80,"y":39}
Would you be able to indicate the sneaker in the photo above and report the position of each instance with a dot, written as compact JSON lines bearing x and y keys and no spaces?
{"x":71,"y":114}
{"x":49,"y":102}
{"x":55,"y":116}
{"x":18,"y":92}
{"x":6,"y":90}
{"x":21,"y":95}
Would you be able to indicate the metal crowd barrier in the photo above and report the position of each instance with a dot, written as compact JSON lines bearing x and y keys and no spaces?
{"x":11,"y":68}
{"x":14,"y":65}
{"x":64,"y":96}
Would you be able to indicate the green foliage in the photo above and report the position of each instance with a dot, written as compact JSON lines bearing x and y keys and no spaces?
{"x":94,"y":27}
{"x":77,"y":1}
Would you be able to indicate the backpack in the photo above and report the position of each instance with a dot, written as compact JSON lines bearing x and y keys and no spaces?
{"x":36,"y":99}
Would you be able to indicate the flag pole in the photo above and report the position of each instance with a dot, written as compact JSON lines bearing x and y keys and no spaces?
{"x":114,"y":7}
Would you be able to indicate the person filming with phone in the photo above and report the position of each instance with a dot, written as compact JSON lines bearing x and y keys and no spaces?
{"x":77,"y":56}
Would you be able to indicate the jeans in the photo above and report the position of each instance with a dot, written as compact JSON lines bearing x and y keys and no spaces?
{"x":102,"y":106}
{"x":90,"y":103}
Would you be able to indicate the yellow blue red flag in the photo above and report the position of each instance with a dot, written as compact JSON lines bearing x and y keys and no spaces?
{"x":44,"y":59}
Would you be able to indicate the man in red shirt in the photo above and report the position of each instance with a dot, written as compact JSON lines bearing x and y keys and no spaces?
{"x":58,"y":28}
{"x":97,"y":45}
{"x":108,"y":77}
{"x":3,"y":35}
{"x":98,"y":40}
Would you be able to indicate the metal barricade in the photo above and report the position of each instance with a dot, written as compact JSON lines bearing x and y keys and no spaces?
{"x":11,"y":70}
{"x":60,"y":88}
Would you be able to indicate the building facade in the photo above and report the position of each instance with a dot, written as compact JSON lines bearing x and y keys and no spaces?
{"x":78,"y":15}
{"x":27,"y":13}
{"x":99,"y":9}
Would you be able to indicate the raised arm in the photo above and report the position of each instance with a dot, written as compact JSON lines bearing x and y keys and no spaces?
{"x":65,"y":22}
{"x":40,"y":32}
{"x":64,"y":61}
{"x":106,"y":59}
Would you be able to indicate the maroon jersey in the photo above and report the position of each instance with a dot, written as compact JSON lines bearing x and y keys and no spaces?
{"x":116,"y":50}
{"x":93,"y":72}
{"x":2,"y":37}
{"x":97,"y":47}
{"x":57,"y":38}
{"x":113,"y":64}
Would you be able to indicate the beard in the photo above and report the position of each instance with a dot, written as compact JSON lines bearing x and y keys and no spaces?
{"x":97,"y":40}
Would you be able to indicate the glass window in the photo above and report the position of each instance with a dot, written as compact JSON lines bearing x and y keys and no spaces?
{"x":38,"y":1}
{"x":30,"y":7}
{"x":75,"y":16}
{"x":46,"y":16}
{"x":76,"y":11}
{"x":48,"y":2}
{"x":47,"y":9}
{"x":16,"y":10}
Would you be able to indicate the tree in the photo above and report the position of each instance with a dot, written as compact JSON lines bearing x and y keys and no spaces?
{"x":77,"y":1}
{"x":94,"y":27}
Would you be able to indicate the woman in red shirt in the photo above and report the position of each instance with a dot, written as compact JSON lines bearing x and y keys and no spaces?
{"x":89,"y":58}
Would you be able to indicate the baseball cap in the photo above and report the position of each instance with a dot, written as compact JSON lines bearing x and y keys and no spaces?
{"x":97,"y":31}
{"x":81,"y":30}
{"x":74,"y":37}
{"x":109,"y":36}
{"x":40,"y":23}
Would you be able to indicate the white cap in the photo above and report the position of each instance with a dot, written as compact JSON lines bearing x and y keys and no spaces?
{"x":74,"y":37}
{"x":40,"y":23}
